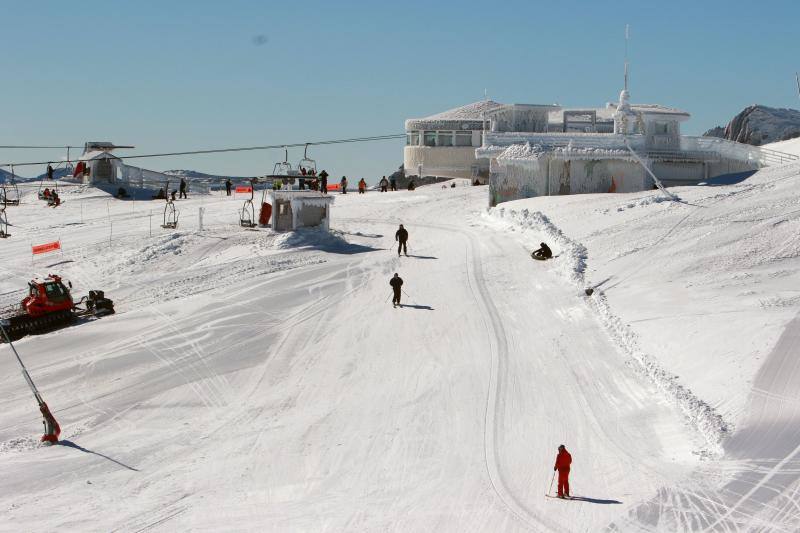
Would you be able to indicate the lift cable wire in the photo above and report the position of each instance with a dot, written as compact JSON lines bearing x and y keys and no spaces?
{"x":240,"y":149}
{"x":30,"y":147}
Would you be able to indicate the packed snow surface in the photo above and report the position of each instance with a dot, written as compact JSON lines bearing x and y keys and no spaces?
{"x":261,"y":381}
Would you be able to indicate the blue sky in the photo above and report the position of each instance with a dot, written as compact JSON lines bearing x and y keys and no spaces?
{"x":181,"y":75}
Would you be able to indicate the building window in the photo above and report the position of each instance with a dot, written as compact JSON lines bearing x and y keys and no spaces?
{"x":412,"y":138}
{"x":463,"y":138}
{"x":662,"y":128}
{"x":430,"y":138}
{"x":445,"y":138}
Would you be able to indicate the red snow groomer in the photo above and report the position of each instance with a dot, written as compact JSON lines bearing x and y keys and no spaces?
{"x":49,"y":305}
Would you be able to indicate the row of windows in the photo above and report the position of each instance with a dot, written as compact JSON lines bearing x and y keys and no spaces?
{"x":439,"y":138}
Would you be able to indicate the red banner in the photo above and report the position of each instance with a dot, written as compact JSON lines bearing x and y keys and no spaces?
{"x":333,"y":187}
{"x":244,"y":189}
{"x":46,"y":248}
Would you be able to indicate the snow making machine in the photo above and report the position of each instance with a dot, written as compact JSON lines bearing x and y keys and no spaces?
{"x":49,"y":305}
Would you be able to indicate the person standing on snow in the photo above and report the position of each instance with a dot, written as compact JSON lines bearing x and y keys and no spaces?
{"x":384,"y":184}
{"x":393,"y":183}
{"x":401,"y":236}
{"x":343,"y":184}
{"x":397,"y":283}
{"x":362,"y":186}
{"x":323,"y":182}
{"x":228,"y":185}
{"x":183,"y":189}
{"x":563,"y":462}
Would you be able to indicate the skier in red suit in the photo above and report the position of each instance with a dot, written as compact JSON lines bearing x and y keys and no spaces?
{"x":563,"y":461}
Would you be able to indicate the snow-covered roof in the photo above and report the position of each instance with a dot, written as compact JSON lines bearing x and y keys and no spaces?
{"x":473,"y":111}
{"x":657,"y":109}
{"x":96,"y":154}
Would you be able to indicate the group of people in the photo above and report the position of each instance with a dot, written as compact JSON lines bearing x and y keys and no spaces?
{"x":51,"y":196}
{"x":386,"y":185}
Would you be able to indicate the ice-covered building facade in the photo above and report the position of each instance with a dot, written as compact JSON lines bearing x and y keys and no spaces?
{"x":537,"y":150}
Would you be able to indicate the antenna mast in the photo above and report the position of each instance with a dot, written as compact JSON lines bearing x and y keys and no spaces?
{"x":627,"y":37}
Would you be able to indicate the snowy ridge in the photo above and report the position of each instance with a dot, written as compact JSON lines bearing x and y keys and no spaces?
{"x":572,"y":264}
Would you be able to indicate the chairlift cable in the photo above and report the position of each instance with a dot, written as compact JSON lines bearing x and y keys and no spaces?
{"x":238,"y":149}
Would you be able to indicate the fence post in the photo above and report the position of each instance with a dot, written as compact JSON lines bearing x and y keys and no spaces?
{"x":200,"y":217}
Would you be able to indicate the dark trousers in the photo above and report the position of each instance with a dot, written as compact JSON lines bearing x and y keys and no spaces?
{"x":394,"y":186}
{"x":402,"y":246}
{"x":182,"y":194}
{"x":228,"y":192}
{"x":383,"y":188}
{"x":396,"y":299}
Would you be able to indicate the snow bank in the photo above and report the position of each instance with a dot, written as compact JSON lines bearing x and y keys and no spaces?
{"x":570,"y":260}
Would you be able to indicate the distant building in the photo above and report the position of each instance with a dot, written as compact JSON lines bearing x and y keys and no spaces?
{"x":443,"y":145}
{"x":537,"y":150}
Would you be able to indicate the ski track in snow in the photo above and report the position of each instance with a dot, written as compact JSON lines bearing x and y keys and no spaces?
{"x":262,"y":382}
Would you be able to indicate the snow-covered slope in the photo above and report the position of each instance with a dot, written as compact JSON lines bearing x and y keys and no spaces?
{"x":256,"y":381}
{"x":792,"y":146}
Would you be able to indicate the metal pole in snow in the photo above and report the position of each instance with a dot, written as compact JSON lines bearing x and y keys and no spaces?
{"x":24,"y":370}
{"x":51,"y":427}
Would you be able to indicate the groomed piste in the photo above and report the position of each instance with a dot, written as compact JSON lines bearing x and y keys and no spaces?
{"x":254,"y":380}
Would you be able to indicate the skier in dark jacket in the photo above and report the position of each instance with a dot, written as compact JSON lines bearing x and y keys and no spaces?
{"x":563,"y":462}
{"x":183,"y":189}
{"x":228,"y":186}
{"x":392,"y":184}
{"x":397,"y":283}
{"x":323,"y":182}
{"x":401,"y":236}
{"x":543,"y":253}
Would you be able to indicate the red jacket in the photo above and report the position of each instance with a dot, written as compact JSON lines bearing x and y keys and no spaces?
{"x":563,"y":460}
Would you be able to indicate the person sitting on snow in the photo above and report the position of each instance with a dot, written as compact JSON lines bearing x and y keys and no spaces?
{"x":544,"y":252}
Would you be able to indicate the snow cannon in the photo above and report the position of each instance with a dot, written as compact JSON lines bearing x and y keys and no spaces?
{"x":51,"y":428}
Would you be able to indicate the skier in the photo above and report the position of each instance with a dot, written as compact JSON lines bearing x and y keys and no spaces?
{"x":542,"y":253}
{"x":343,"y":184}
{"x":393,"y":183}
{"x":401,"y":236}
{"x":384,"y":183}
{"x":183,"y":189}
{"x":323,"y":182}
{"x":397,"y":283}
{"x":228,"y":186}
{"x":50,"y":172}
{"x":362,"y":186}
{"x":563,"y":461}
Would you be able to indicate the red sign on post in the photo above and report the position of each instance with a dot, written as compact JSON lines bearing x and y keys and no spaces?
{"x":46,"y":248}
{"x":244,"y":189}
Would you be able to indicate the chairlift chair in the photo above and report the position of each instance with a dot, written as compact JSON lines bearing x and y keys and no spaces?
{"x":41,"y":192}
{"x":3,"y":223}
{"x":9,"y":192}
{"x":247,"y":218}
{"x":283,"y":170}
{"x":307,"y":163}
{"x":170,"y":213}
